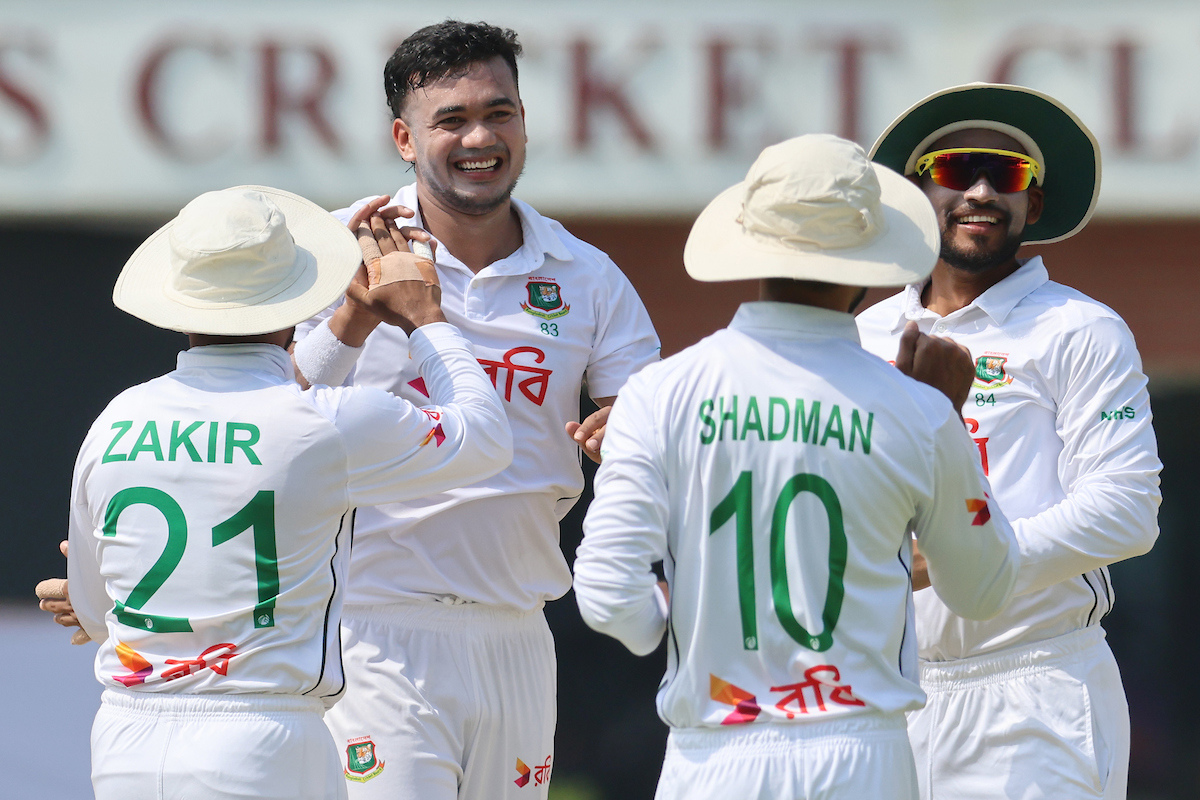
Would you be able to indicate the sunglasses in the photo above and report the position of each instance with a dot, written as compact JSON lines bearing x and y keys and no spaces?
{"x":958,"y":168}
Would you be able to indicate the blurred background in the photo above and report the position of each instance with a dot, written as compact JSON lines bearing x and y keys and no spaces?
{"x":114,"y":115}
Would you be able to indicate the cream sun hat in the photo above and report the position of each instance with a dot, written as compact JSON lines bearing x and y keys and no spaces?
{"x":815,"y":208}
{"x":239,"y":262}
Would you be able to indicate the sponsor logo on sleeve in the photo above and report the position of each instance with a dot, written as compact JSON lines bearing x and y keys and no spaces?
{"x":540,"y":773}
{"x":979,"y":507}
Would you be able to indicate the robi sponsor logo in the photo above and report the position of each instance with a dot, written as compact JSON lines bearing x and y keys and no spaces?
{"x":540,"y":774}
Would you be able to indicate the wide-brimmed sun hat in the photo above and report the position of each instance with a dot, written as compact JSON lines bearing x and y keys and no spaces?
{"x":239,"y":262}
{"x":816,"y":208}
{"x":1045,"y":128}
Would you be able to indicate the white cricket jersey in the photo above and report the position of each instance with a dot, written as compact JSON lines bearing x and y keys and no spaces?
{"x":540,"y":320}
{"x":778,"y":469}
{"x":1061,"y":418}
{"x":211,"y":510}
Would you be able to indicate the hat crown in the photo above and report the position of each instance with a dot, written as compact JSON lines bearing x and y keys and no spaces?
{"x":813,"y":192}
{"x":228,"y":248}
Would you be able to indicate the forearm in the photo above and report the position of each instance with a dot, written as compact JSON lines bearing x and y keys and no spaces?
{"x":1098,"y":524}
{"x":618,"y":595}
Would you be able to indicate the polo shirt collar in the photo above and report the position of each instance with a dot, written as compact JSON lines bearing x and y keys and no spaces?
{"x":250,"y":357}
{"x":540,"y":240}
{"x":997,"y":302}
{"x":793,"y":321}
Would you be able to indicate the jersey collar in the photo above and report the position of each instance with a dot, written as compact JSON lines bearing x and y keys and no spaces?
{"x":997,"y":302}
{"x":250,"y":357}
{"x":793,"y":321}
{"x":539,"y":235}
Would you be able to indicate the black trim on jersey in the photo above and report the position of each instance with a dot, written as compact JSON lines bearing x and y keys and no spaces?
{"x":1108,"y":596}
{"x":907,"y":602}
{"x":673,"y":641}
{"x":1095,"y":594}
{"x":337,"y":539}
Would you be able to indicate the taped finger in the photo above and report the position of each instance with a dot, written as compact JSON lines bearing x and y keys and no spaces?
{"x":51,"y":589}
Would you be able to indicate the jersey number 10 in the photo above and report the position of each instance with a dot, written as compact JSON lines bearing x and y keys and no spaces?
{"x":258,"y":514}
{"x":738,"y":505}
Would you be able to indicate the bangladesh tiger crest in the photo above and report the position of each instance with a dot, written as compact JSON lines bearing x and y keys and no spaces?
{"x":545,"y":300}
{"x":361,"y":762}
{"x":990,"y":373}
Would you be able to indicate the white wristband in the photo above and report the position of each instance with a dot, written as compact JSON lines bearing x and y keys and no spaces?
{"x":322,"y":358}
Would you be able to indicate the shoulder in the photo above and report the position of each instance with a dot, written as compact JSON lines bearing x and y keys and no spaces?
{"x":586,"y":255}
{"x":1071,"y":307}
{"x":880,"y":319}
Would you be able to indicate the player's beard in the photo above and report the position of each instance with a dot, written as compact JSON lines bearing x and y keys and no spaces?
{"x":979,"y":261}
{"x":457,"y":200}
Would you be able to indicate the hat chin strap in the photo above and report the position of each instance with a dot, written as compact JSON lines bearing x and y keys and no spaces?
{"x":1025,"y":140}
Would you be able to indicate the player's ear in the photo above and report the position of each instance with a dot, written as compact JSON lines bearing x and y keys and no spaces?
{"x":402,"y":136}
{"x":1037,"y":202}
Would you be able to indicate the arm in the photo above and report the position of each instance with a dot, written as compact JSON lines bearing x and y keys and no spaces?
{"x":1108,"y":466}
{"x":625,"y":531}
{"x":968,"y":545}
{"x":398,"y":451}
{"x":89,"y":596}
{"x":625,"y":342}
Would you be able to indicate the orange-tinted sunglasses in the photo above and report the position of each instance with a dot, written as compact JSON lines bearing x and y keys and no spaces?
{"x":958,"y":168}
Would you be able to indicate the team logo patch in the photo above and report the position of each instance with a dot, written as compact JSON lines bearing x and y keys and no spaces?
{"x":361,"y":762}
{"x":745,"y":706}
{"x":545,"y":300}
{"x":989,"y":372}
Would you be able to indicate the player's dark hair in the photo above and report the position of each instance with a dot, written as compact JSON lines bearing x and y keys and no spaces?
{"x":447,"y":49}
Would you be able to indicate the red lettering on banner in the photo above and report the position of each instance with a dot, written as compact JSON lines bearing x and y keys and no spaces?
{"x":1177,"y":144}
{"x":533,"y":387}
{"x":199,"y":147}
{"x":842,"y":695}
{"x":850,"y":49}
{"x":221,"y":654}
{"x":980,"y":441}
{"x":593,"y":91}
{"x":280,"y":99}
{"x":22,"y":100}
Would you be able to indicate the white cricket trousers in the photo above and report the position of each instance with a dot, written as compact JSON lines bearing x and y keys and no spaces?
{"x":856,"y":757}
{"x":212,"y":747}
{"x":445,"y":701}
{"x":1041,"y":721}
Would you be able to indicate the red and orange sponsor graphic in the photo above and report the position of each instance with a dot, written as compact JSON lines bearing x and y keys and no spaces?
{"x":532,"y":386}
{"x":745,"y":706}
{"x":132,"y":661}
{"x":838,"y":694}
{"x":979,"y":507}
{"x":540,"y":773}
{"x":215,"y":658}
{"x":436,"y":433}
{"x":821,"y":687}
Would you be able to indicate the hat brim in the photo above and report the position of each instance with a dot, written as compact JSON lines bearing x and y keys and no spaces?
{"x":1072,"y":155}
{"x":719,"y":248}
{"x":327,"y":255}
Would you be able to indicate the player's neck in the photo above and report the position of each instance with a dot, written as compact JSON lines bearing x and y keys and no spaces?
{"x":951,"y":288}
{"x":476,"y":240}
